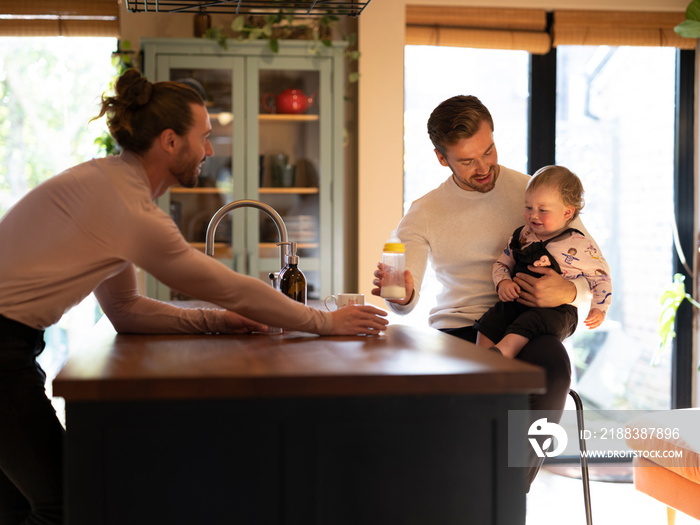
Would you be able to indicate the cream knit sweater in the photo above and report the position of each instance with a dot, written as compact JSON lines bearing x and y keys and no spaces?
{"x":462,"y":233}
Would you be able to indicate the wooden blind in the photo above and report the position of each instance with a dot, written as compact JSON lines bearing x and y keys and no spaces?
{"x":526,"y":29}
{"x":491,"y":28}
{"x":59,"y":18}
{"x":619,"y":28}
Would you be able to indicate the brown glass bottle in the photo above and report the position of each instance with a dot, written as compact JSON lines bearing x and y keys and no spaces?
{"x":292,"y":279}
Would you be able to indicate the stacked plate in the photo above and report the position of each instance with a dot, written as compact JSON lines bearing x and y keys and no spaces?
{"x":301,"y":228}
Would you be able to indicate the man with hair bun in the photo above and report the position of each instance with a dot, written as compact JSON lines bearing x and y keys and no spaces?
{"x":85,"y":230}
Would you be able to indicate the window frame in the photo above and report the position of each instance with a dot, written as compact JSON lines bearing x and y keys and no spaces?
{"x":682,"y":364}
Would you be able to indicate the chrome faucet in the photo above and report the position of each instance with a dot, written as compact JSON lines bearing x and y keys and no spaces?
{"x":248,"y":203}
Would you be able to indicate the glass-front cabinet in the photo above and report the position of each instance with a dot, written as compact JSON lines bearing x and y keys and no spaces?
{"x":277,"y":127}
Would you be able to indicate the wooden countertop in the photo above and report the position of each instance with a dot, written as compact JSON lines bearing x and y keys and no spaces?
{"x":404,"y":360}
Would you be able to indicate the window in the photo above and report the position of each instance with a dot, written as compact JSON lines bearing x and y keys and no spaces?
{"x":49,"y":90}
{"x":625,"y":158}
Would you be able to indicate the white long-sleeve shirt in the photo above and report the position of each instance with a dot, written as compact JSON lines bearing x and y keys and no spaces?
{"x":461,"y":233}
{"x":85,"y":229}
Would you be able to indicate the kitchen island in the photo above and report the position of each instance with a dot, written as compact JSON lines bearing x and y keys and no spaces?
{"x":409,"y":427}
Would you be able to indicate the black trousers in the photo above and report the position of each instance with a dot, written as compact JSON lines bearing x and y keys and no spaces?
{"x":514,"y":318}
{"x":547,"y":352}
{"x":31,"y":437}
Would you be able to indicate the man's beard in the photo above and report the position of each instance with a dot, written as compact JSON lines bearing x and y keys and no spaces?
{"x":481,"y":188}
{"x":186,"y":172}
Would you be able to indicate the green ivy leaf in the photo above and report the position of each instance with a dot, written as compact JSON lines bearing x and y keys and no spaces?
{"x":238,"y":23}
{"x":667,"y":323}
{"x":274,"y":45}
{"x":688,"y":29}
{"x":353,"y":77}
{"x":255,"y":33}
{"x":313,"y":47}
{"x":692,"y":12}
{"x":671,"y":300}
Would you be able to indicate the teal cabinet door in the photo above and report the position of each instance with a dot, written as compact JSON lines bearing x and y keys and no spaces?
{"x":277,"y":134}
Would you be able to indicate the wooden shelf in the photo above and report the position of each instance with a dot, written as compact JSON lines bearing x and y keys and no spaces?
{"x":215,"y":191}
{"x":273,"y":117}
{"x":218,"y":191}
{"x":222,"y":250}
{"x":300,"y":245}
{"x":292,"y":190}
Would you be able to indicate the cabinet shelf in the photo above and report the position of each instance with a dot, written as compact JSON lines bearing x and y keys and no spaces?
{"x":214,"y":191}
{"x":274,"y":117}
{"x":300,"y":245}
{"x":222,"y":250}
{"x":226,"y":191}
{"x":288,"y":191}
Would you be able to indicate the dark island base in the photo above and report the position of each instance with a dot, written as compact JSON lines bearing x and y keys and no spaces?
{"x":423,"y":460}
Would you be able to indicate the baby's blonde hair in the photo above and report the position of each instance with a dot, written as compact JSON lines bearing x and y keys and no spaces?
{"x":565,"y":182}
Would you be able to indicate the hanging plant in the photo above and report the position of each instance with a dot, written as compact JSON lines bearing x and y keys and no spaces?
{"x":690,"y":27}
{"x":286,"y":26}
{"x":122,"y":59}
{"x":281,"y":26}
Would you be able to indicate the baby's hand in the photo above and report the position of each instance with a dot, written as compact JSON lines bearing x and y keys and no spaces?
{"x":508,"y":291}
{"x":595,"y":318}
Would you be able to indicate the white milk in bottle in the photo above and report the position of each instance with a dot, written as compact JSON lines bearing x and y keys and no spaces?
{"x":394,"y":262}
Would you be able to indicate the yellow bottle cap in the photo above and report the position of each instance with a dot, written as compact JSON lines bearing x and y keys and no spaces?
{"x":396,"y":247}
{"x":394,"y":244}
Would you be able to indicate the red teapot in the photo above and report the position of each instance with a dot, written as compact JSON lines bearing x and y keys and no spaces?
{"x":289,"y":101}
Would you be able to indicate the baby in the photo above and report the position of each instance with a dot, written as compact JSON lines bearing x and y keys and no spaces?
{"x":553,"y":198}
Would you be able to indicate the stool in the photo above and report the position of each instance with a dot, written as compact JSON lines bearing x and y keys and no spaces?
{"x":584,"y":456}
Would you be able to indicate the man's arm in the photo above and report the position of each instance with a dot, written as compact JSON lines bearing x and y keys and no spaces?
{"x":130,"y":312}
{"x":411,"y":231}
{"x":548,"y":291}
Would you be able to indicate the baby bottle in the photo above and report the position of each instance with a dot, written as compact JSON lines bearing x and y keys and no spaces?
{"x":393,"y":261}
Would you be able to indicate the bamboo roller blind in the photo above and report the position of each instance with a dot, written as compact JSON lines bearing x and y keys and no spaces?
{"x":619,"y":28}
{"x":59,"y":18}
{"x":491,"y":28}
{"x":526,"y":29}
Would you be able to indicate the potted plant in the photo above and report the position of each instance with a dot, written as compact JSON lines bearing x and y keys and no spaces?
{"x":671,"y":299}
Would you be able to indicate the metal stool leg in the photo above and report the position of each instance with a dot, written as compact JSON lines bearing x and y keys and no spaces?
{"x":584,"y":456}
